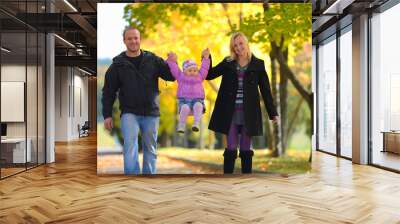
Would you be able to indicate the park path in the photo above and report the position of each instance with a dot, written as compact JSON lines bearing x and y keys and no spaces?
{"x":112,"y":163}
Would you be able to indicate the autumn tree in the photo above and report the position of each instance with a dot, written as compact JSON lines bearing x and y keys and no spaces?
{"x":282,"y":28}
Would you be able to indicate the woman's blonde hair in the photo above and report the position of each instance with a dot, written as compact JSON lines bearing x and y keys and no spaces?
{"x":234,"y":56}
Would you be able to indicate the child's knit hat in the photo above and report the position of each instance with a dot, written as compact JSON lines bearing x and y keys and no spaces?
{"x":188,"y":63}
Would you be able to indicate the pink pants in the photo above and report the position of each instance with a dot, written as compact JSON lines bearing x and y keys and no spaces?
{"x":185,"y":111}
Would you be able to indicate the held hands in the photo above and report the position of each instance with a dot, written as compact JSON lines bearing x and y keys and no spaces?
{"x":172,"y":57}
{"x":275,"y":119}
{"x":205,"y":53}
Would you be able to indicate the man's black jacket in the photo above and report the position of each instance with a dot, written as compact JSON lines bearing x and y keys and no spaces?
{"x":137,"y":87}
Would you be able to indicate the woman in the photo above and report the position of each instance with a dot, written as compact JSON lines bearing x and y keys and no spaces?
{"x":237,"y":108}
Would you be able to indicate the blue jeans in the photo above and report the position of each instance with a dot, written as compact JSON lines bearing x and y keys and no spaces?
{"x":148,"y":126}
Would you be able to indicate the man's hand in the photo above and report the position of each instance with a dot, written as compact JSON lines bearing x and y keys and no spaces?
{"x":205,"y":53}
{"x":172,"y":57}
{"x":108,"y":123}
{"x":275,"y":119}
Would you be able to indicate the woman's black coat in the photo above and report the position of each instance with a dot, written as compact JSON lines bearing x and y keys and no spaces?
{"x":255,"y":78}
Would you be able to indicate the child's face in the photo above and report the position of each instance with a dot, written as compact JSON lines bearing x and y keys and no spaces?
{"x":191,"y":71}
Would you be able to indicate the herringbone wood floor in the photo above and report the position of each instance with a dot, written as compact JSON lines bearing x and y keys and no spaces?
{"x":69,"y":191}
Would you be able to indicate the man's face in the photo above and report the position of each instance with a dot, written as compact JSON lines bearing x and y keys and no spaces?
{"x":132,"y":40}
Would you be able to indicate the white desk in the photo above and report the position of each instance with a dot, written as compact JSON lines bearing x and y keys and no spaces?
{"x":19,"y":149}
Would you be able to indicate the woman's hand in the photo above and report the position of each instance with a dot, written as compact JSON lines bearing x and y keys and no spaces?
{"x":275,"y":119}
{"x":205,"y":53}
{"x":172,"y":57}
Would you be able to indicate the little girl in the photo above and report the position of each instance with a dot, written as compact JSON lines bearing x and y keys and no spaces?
{"x":190,"y":88}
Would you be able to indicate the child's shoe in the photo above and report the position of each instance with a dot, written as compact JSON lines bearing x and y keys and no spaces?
{"x":181,"y":127}
{"x":195,"y":126}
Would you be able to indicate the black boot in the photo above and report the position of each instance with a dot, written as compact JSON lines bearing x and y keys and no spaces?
{"x":229,"y":160}
{"x":246,"y":157}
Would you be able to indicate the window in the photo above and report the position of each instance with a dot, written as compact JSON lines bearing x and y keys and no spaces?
{"x":385,"y":87}
{"x":327,"y":95}
{"x":346,"y":95}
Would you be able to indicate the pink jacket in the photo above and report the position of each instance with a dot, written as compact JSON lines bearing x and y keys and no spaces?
{"x":190,"y":86}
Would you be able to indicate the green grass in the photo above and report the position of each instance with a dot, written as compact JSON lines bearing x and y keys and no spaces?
{"x":300,"y":140}
{"x":293,"y":162}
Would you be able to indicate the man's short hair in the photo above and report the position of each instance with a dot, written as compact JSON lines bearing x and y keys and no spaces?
{"x":129,"y":28}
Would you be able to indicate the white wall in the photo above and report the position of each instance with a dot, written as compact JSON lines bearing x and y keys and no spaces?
{"x":71,"y":93}
{"x":12,"y":73}
{"x":61,"y":103}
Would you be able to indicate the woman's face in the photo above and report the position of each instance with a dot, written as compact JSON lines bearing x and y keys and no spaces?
{"x":239,"y":46}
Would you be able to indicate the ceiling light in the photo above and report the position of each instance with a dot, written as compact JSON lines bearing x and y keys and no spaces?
{"x":337,"y":7}
{"x":70,"y":5}
{"x":86,"y":72}
{"x":5,"y":50}
{"x":65,"y":41}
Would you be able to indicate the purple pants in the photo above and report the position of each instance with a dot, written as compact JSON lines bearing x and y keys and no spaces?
{"x":233,"y":138}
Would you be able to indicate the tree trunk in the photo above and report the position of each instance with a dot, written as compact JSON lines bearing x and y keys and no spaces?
{"x":185,"y":139}
{"x":268,"y":132}
{"x":211,"y":135}
{"x":163,"y":139}
{"x":283,"y":94}
{"x":275,"y":146}
{"x":201,"y":141}
{"x":293,"y":118}
{"x":296,"y":83}
{"x":312,"y":128}
{"x":175,"y":137}
{"x":275,"y":130}
{"x":231,"y":25}
{"x":307,"y":96}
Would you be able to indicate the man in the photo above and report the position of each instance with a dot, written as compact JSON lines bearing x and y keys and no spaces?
{"x":134,"y":75}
